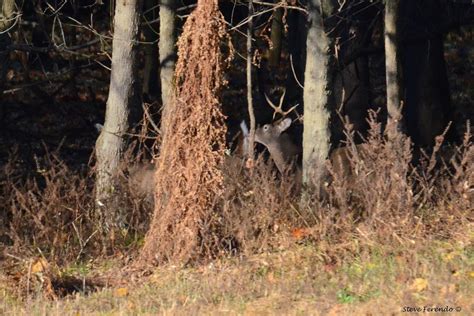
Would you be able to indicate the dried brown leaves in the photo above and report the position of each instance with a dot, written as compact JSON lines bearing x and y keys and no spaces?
{"x":189,"y":176}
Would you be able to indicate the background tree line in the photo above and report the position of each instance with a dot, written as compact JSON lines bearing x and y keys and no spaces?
{"x":336,"y":59}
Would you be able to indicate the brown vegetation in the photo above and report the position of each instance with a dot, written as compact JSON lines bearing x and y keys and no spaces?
{"x":389,"y":204}
{"x":189,"y":176}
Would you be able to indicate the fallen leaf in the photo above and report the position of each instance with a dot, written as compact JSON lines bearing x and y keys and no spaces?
{"x":271,"y":277}
{"x":40,"y":265}
{"x":121,"y":292}
{"x":300,"y":233}
{"x":419,"y":284}
{"x":449,"y":256}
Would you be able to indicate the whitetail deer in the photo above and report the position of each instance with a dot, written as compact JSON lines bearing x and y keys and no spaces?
{"x":141,"y":176}
{"x":141,"y":180}
{"x":273,"y":136}
{"x":283,"y":150}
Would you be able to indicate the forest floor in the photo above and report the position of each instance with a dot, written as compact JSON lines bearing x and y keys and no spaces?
{"x":296,"y":281}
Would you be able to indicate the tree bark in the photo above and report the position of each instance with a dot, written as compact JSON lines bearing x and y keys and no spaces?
{"x":392,"y":72}
{"x":318,"y":96}
{"x":249,"y":151}
{"x":7,"y":13}
{"x":167,"y":49}
{"x":276,"y":37}
{"x":123,"y":95}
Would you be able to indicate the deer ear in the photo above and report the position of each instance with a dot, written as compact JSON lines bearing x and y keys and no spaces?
{"x":283,"y":125}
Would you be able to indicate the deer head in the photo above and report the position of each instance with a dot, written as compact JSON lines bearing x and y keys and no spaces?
{"x":278,"y":143}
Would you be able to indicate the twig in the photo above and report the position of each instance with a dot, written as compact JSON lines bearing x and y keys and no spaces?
{"x":150,"y":119}
{"x":294,"y":72}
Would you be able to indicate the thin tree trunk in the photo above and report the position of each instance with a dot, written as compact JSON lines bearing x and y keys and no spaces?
{"x":392,"y":66}
{"x":318,"y":97}
{"x":167,"y":51}
{"x":276,"y":37}
{"x":122,"y":96}
{"x":7,"y":14}
{"x":251,"y":143}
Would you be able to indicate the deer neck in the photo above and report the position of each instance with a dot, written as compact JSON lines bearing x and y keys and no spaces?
{"x":283,"y":153}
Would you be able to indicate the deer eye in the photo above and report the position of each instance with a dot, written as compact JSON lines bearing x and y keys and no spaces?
{"x":265,"y":127}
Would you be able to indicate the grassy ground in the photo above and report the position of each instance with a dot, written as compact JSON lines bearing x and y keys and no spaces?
{"x":299,"y":281}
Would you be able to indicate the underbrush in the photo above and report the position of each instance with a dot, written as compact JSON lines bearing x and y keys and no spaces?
{"x":50,"y":214}
{"x":390,"y":204}
{"x":392,"y":196}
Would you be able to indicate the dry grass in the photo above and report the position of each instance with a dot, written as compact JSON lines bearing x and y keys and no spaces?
{"x":297,"y":281}
{"x":390,"y":198}
{"x":50,"y":210}
{"x":50,"y":213}
{"x":257,"y":208}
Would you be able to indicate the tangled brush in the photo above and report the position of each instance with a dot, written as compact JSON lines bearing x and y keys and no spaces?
{"x":189,"y":176}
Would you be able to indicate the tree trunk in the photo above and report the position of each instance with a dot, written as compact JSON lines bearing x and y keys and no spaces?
{"x":427,"y":108}
{"x":392,"y":73}
{"x":276,"y":37}
{"x":151,"y":68}
{"x":249,"y":151}
{"x":318,"y":97}
{"x":122,"y":96}
{"x":167,"y":48}
{"x":7,"y":14}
